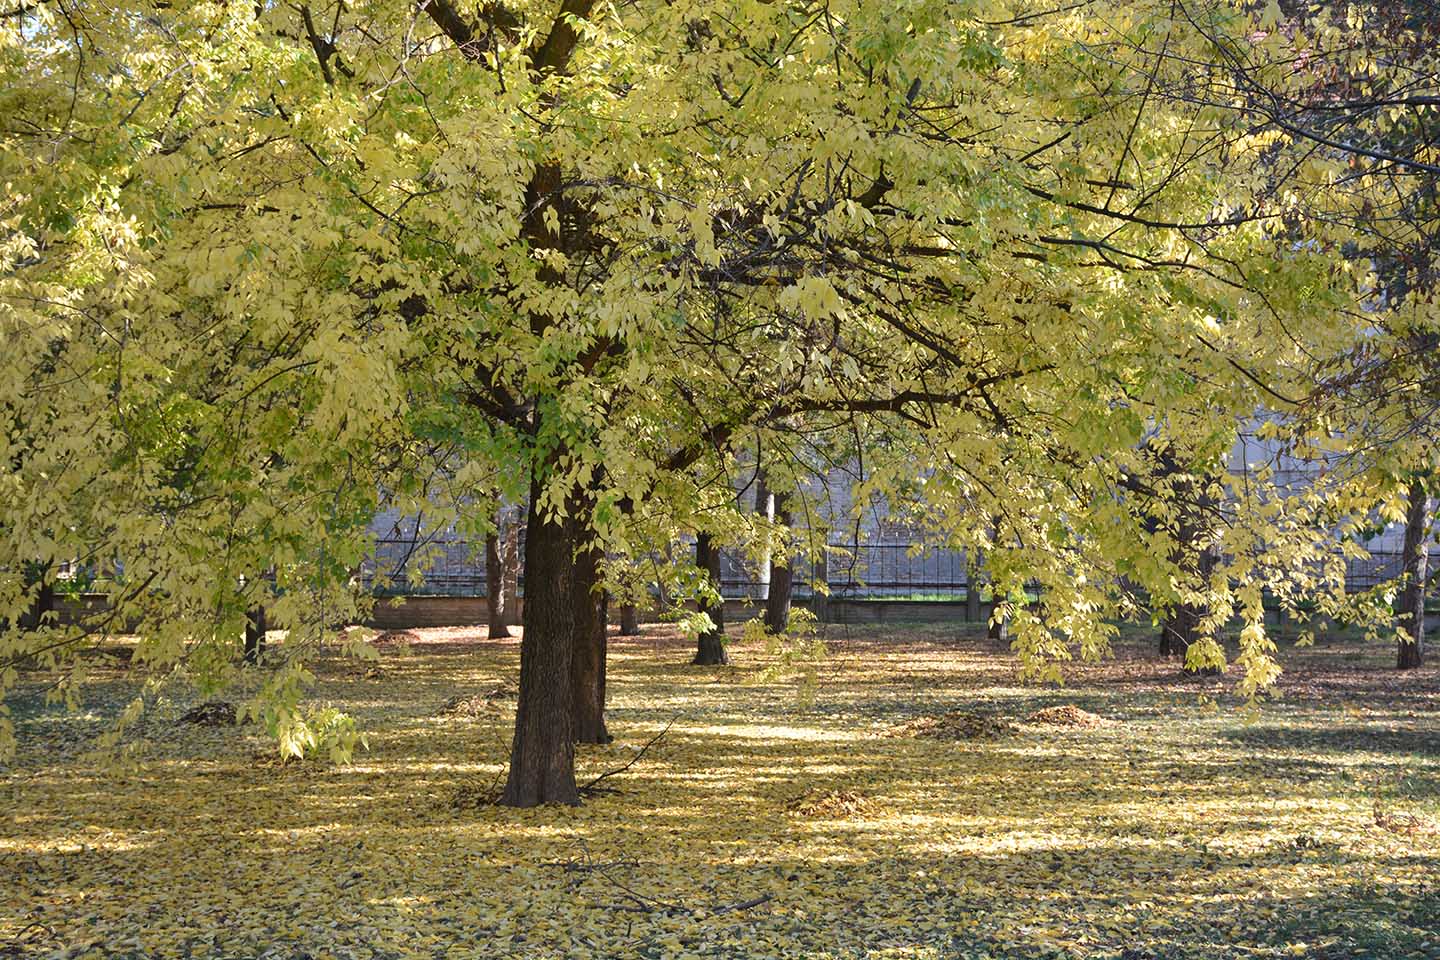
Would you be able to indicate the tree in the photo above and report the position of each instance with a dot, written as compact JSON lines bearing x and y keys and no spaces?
{"x":1346,"y":98}
{"x":591,"y":619}
{"x":607,"y":248}
{"x":255,"y":628}
{"x":974,"y":564}
{"x":1410,"y":611}
{"x":777,"y":601}
{"x":710,"y":648}
{"x":629,"y":620}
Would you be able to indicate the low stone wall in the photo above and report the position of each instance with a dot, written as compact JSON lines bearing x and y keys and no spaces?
{"x":86,"y":606}
{"x":867,"y":611}
{"x":470,"y":611}
{"x":393,"y":614}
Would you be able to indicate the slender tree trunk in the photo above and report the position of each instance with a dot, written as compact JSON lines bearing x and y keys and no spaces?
{"x":542,"y":759}
{"x":496,"y":612}
{"x":972,"y":585}
{"x":510,"y":570}
{"x":711,"y":649}
{"x":777,"y":604}
{"x":629,"y":620}
{"x":765,"y":503}
{"x":255,"y":626}
{"x":588,"y":665}
{"x":1410,"y":615}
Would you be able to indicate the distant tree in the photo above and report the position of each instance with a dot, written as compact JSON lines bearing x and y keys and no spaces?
{"x":1410,"y":610}
{"x":711,"y":648}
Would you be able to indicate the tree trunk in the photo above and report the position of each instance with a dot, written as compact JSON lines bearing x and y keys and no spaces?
{"x":510,"y":571}
{"x":765,"y":504}
{"x":629,"y":620}
{"x":38,"y":575}
{"x":542,"y":759}
{"x":496,"y":612}
{"x":999,"y":629}
{"x":1410,"y":615}
{"x":972,"y":585}
{"x":777,"y":604}
{"x":1181,"y":629}
{"x":255,"y":626}
{"x":588,"y":665}
{"x":1173,"y":642}
{"x":711,"y":650}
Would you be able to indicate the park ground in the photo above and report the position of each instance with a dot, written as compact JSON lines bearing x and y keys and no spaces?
{"x":759,"y":825}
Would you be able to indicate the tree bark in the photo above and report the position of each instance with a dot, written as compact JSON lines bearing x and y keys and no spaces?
{"x":496,"y":612}
{"x":777,"y":603}
{"x":255,"y":626}
{"x":629,"y":620}
{"x":765,"y":503}
{"x":38,"y":575}
{"x":1181,"y":629}
{"x":1193,"y":556}
{"x":1410,"y":614}
{"x":711,"y":649}
{"x":588,"y":664}
{"x":999,"y":628}
{"x":542,"y":758}
{"x":972,"y":585}
{"x":510,"y":570}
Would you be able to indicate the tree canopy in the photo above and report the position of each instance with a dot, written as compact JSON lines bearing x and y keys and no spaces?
{"x":266,"y":261}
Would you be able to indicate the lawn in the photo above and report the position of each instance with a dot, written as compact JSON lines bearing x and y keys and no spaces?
{"x":757,"y":826}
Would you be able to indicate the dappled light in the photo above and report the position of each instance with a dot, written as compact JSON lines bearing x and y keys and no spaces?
{"x":1177,"y":827}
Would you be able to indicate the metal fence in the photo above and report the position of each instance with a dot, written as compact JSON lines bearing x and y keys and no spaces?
{"x":867,"y":571}
{"x":452,"y":566}
{"x":901,"y":571}
{"x":428,"y":566}
{"x":1379,"y":568}
{"x":455,"y":566}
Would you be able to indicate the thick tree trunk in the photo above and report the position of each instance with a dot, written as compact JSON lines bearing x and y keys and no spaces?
{"x":1193,"y":556}
{"x":588,"y":665}
{"x":1410,"y":613}
{"x":777,"y":604}
{"x":1181,"y":629}
{"x":711,"y":649}
{"x":41,"y":608}
{"x":542,"y":759}
{"x":629,"y":620}
{"x":1174,"y":630}
{"x":255,"y":626}
{"x":37,"y":575}
{"x":496,"y":614}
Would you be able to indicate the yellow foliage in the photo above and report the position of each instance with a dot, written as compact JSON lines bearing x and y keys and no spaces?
{"x":1176,"y":832}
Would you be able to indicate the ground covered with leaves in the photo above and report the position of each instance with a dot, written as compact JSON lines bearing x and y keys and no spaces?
{"x":924,"y":806}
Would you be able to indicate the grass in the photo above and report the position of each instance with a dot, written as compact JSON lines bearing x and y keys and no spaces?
{"x":757,"y":827}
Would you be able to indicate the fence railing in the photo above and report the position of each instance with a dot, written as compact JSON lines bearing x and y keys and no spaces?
{"x":452,"y":566}
{"x":427,"y":566}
